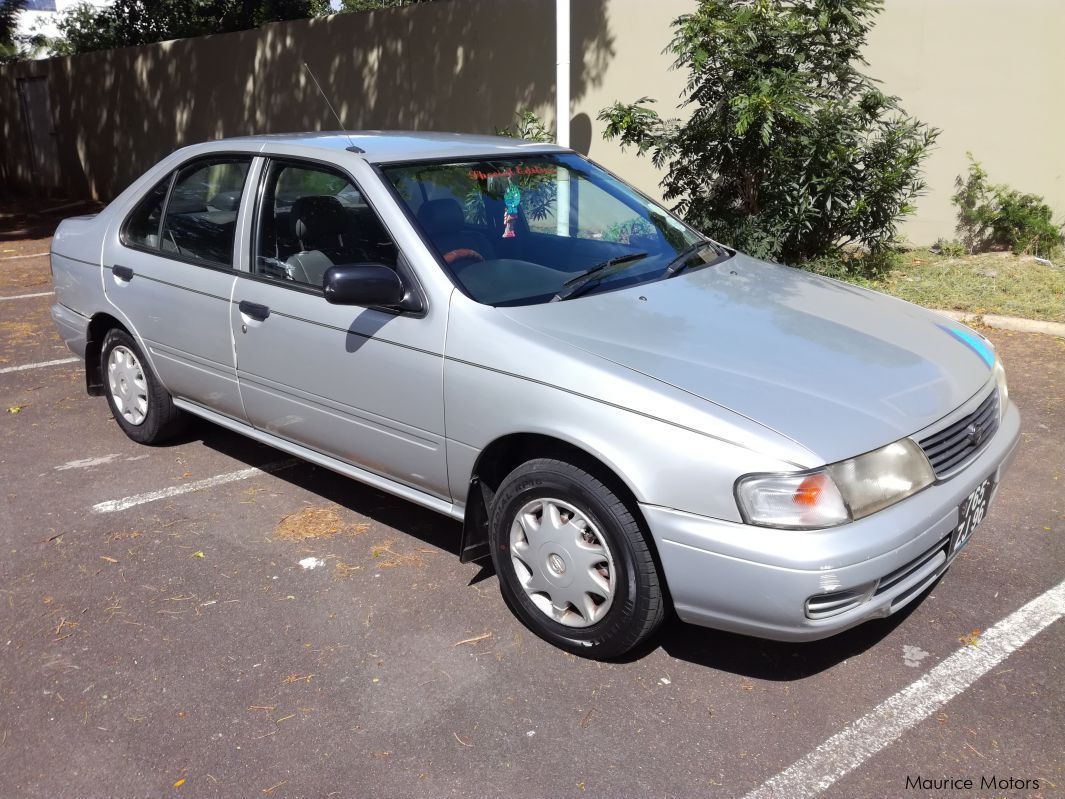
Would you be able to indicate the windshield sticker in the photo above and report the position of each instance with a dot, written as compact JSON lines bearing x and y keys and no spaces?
{"x":511,"y":199}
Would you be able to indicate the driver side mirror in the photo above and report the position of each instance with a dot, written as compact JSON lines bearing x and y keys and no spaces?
{"x":363,"y":284}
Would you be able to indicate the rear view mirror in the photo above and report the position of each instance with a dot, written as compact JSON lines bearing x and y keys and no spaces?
{"x":363,"y":284}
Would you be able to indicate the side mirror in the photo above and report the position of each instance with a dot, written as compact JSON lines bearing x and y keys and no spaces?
{"x":363,"y":284}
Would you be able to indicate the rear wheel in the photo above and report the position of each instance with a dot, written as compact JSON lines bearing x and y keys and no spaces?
{"x":573,"y":561}
{"x":141,"y":406}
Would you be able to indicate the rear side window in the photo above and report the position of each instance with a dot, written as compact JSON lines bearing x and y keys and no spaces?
{"x":142,"y":226}
{"x":200,"y":217}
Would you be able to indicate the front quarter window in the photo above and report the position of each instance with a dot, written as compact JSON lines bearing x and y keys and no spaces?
{"x":518,"y":231}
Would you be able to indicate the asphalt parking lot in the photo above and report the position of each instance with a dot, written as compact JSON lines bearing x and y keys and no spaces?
{"x":211,"y":618}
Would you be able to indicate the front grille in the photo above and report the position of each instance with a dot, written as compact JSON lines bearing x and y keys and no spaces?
{"x":953,"y":445}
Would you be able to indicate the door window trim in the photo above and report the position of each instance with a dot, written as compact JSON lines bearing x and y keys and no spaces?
{"x":403,"y":266}
{"x":222,"y":155}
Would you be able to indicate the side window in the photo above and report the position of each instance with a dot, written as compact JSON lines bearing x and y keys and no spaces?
{"x":142,"y":225}
{"x":201,"y":216}
{"x":312,"y":218}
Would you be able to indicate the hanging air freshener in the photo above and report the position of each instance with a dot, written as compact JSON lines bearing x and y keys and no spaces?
{"x":511,"y":199}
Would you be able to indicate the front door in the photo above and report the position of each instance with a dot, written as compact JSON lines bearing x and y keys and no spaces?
{"x":363,"y":385}
{"x":170,"y":272}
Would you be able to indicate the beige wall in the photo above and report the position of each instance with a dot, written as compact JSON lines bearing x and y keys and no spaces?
{"x":990,"y":73}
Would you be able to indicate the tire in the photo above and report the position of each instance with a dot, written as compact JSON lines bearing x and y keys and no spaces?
{"x":553,"y":528}
{"x":141,"y":406}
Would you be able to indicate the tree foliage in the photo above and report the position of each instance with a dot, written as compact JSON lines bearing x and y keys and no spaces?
{"x":373,"y":5}
{"x":790,"y":151}
{"x":9,"y":13}
{"x":996,"y":217}
{"x":133,"y":22}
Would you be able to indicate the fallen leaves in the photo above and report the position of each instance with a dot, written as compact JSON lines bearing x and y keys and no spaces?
{"x":293,"y":678}
{"x":311,"y":523}
{"x":16,"y":409}
{"x":476,"y":639}
{"x":63,"y":625}
{"x":198,"y":554}
{"x":179,"y":783}
{"x":972,"y":639}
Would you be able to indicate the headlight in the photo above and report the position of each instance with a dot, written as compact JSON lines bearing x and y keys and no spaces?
{"x":837,"y":493}
{"x":1003,"y":389}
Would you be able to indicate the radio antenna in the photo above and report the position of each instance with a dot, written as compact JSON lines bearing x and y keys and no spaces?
{"x":353,"y":148}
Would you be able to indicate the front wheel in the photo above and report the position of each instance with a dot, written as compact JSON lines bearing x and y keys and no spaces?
{"x":573,"y":562}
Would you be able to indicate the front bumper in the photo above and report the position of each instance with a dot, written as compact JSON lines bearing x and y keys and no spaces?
{"x":757,"y":581}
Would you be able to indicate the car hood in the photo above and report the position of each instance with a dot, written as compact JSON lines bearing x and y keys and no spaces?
{"x":838,"y":369}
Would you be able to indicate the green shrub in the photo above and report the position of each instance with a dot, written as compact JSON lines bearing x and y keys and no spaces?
{"x":951,"y":248}
{"x":996,"y":217}
{"x":528,"y":126}
{"x":790,"y":152}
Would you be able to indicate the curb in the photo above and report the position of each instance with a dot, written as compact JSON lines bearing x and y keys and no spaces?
{"x":1007,"y":322}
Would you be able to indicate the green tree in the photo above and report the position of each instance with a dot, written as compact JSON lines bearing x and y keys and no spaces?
{"x":134,"y":22}
{"x":790,"y":151}
{"x":9,"y":14}
{"x":373,"y":5}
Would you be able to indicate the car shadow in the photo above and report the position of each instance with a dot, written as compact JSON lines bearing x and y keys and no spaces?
{"x":743,"y":655}
{"x":430,"y":527}
{"x":778,"y":661}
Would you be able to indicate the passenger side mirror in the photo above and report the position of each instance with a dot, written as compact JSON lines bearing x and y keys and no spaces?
{"x":363,"y":284}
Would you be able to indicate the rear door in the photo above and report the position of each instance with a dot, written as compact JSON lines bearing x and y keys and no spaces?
{"x":170,"y":271}
{"x":364,"y":385}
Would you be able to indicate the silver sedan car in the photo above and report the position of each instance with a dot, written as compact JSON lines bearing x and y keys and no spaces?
{"x":627,"y":417}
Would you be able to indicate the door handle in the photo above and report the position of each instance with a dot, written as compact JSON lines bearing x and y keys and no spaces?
{"x":122,"y":272}
{"x":253,"y":310}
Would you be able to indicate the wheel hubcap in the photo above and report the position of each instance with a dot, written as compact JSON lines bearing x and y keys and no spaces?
{"x":129,"y":387}
{"x":563,"y":562}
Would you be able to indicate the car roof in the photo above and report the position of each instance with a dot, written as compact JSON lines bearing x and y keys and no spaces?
{"x":385,"y":146}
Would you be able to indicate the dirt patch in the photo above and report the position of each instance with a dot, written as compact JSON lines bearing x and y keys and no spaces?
{"x":313,"y":523}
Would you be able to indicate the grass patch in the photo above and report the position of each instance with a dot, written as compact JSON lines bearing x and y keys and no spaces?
{"x":989,"y":283}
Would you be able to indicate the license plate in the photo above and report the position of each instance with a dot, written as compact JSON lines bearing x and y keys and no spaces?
{"x":970,"y":513}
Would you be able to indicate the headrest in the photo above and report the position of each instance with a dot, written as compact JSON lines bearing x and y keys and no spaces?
{"x":226,"y":201}
{"x":441,"y":216}
{"x":315,"y":218}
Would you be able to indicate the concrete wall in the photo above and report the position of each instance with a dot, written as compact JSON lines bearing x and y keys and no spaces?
{"x":986,"y":71}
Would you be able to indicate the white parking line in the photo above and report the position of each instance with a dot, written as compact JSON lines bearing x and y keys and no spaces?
{"x":845,"y":751}
{"x":17,"y":257}
{"x":221,"y":479}
{"x":40,"y":365}
{"x":27,"y":296}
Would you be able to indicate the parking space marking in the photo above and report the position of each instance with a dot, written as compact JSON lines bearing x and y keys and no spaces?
{"x":17,"y":257}
{"x":87,"y":463}
{"x":39,"y":365}
{"x":27,"y":296}
{"x":845,"y":751}
{"x":113,"y":505}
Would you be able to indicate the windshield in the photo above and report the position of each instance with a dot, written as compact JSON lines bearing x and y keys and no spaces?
{"x":519,"y":231}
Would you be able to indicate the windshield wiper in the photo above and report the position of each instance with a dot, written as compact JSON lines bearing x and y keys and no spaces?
{"x":585,"y":280}
{"x":680,"y":263}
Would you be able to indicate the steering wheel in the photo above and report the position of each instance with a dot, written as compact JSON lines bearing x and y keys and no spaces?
{"x":462,"y":253}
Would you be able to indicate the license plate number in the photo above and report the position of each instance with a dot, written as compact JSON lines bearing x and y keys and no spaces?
{"x":970,"y":513}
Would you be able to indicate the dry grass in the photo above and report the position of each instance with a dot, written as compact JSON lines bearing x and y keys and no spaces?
{"x":316,"y":523}
{"x":989,"y":283}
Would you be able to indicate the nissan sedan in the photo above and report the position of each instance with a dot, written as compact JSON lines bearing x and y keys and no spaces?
{"x":628,"y":418}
